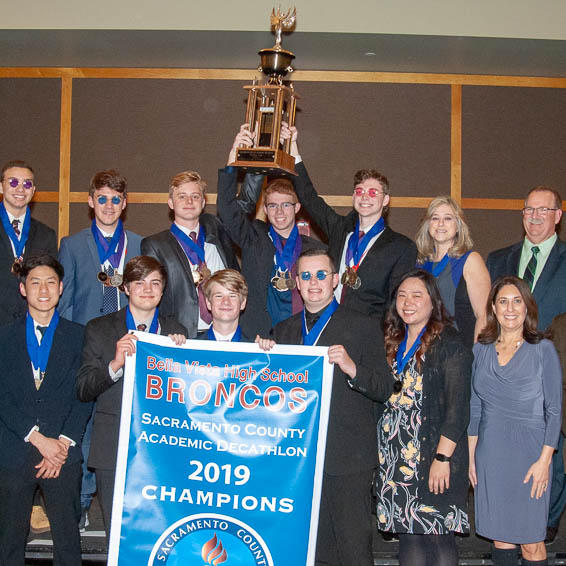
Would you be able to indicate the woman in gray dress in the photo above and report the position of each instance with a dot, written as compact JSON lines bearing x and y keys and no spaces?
{"x":514,"y":425}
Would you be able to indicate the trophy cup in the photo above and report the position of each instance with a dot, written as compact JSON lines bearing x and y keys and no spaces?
{"x":270,"y":104}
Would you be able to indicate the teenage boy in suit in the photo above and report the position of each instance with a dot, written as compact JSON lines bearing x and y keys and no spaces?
{"x":361,"y":376}
{"x":107,"y":343}
{"x":94,"y":261}
{"x":371,"y":258}
{"x":21,"y":236}
{"x":269,"y":249}
{"x":41,"y":419}
{"x":226,"y":293}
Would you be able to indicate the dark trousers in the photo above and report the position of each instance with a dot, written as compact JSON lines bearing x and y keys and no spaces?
{"x":105,"y":491}
{"x":62,"y":503}
{"x":345,"y":525}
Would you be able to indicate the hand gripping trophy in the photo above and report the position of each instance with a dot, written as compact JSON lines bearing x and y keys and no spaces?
{"x":270,"y":104}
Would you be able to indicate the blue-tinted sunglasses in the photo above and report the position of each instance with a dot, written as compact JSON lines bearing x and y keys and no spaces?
{"x":321,"y":275}
{"x":114,"y":200}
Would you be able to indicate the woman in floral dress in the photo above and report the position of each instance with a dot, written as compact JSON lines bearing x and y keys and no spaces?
{"x":423,"y":452}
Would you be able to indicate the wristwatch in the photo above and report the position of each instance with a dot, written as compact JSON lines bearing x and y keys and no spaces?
{"x":442,"y":458}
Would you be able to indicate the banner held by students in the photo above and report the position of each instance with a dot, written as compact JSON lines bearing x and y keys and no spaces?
{"x":220,"y":455}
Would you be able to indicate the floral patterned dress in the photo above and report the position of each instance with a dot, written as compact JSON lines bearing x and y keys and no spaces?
{"x":400,"y":506}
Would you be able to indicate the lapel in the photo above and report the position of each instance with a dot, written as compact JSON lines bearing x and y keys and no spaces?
{"x":177,"y":250}
{"x":22,"y":361}
{"x":57,"y":363}
{"x":550,"y":267}
{"x":31,"y":238}
{"x":6,"y":243}
{"x":93,"y":251}
{"x":513,"y":259}
{"x":385,"y":238}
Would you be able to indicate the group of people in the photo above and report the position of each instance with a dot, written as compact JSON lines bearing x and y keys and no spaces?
{"x":444,"y":371}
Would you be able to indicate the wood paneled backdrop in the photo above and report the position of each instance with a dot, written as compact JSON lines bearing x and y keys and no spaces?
{"x":486,"y":140}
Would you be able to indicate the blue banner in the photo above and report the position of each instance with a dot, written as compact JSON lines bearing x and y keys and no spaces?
{"x":220,"y":455}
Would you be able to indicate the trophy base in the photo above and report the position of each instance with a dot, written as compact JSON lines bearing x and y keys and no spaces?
{"x":264,"y":160}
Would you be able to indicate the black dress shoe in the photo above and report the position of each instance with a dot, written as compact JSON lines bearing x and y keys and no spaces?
{"x":388,"y":537}
{"x":551,"y":533}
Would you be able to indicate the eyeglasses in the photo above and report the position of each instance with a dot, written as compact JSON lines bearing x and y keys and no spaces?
{"x":321,"y":275}
{"x":114,"y":200}
{"x":542,"y":210}
{"x":26,"y":183}
{"x":372,"y":193}
{"x":272,"y":206}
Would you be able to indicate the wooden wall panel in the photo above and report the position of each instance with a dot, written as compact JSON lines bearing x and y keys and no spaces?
{"x":152,"y":129}
{"x":29,"y":118}
{"x":513,"y":139}
{"x":401,"y":130}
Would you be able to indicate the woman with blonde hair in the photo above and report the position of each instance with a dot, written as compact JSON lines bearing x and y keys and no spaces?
{"x":445,"y":250}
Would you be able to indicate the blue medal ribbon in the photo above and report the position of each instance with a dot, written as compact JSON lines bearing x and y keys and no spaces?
{"x":310,"y":338}
{"x":39,"y":353}
{"x":131,"y":325}
{"x":437,"y":269}
{"x":357,"y":248}
{"x":19,"y":243}
{"x":236,"y":338}
{"x":109,"y":251}
{"x":402,"y":360}
{"x":195,"y":252}
{"x":286,"y":255}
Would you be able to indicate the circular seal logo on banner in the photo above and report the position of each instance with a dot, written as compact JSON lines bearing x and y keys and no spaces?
{"x":210,"y":539}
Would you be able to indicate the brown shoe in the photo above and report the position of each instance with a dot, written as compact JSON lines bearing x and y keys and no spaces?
{"x":39,"y":523}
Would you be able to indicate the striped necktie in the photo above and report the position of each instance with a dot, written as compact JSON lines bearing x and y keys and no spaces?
{"x":530,"y":270}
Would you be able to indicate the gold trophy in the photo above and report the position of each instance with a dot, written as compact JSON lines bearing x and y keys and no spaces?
{"x":270,"y":104}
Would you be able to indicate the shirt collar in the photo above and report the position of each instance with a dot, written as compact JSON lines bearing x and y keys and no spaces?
{"x":544,"y":247}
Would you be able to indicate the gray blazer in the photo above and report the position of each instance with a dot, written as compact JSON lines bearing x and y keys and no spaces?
{"x":82,"y":292}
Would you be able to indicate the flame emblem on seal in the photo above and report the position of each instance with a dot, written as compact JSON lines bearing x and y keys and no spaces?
{"x":213,"y":552}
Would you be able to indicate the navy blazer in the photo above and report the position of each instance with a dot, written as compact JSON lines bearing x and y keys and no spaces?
{"x":54,"y":407}
{"x":550,"y":289}
{"x":95,"y":384}
{"x":82,"y":291}
{"x":41,"y":240}
{"x":390,"y":257}
{"x":180,"y":298}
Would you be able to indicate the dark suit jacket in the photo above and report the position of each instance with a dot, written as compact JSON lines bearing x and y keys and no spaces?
{"x":95,"y":384}
{"x":550,"y":290}
{"x":82,"y":291}
{"x":180,"y":298}
{"x":390,"y":257}
{"x":351,"y":444}
{"x":54,"y":407}
{"x":558,"y":328}
{"x":41,"y":240}
{"x":257,"y":253}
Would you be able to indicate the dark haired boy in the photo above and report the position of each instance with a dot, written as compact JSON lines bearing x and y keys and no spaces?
{"x":21,"y":236}
{"x":41,"y":419}
{"x":107,"y":343}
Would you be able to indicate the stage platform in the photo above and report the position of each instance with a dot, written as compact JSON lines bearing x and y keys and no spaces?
{"x":474,"y":550}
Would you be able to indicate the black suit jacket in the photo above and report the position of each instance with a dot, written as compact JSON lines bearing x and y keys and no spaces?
{"x":390,"y":257}
{"x":180,"y":298}
{"x":550,"y":290}
{"x":54,"y":407}
{"x":95,"y":384}
{"x":41,"y":240}
{"x":351,"y":444}
{"x":257,"y":253}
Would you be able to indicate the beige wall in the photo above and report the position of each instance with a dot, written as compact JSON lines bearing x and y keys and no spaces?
{"x":542,"y":19}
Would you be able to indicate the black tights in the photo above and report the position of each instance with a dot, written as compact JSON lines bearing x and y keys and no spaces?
{"x":427,"y":550}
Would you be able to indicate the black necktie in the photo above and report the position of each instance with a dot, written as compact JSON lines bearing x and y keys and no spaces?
{"x":42,"y":330}
{"x":16,"y":227}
